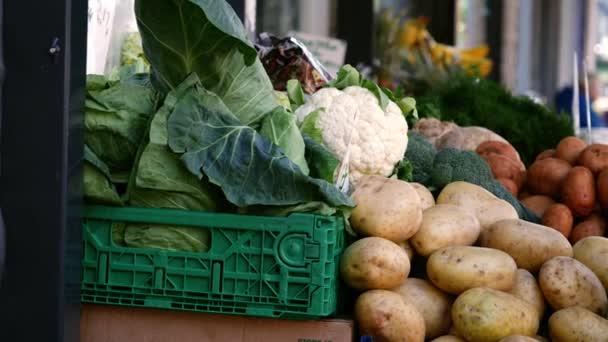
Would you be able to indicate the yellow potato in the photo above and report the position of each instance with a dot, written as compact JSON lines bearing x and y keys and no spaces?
{"x":528,"y":243}
{"x":566,"y":282}
{"x":459,"y":268}
{"x":407,"y":247}
{"x":448,"y":338}
{"x":445,"y":225}
{"x":385,"y":316}
{"x":426,"y":197}
{"x":487,"y":315}
{"x":576,"y":324}
{"x":374,"y":263}
{"x":386,"y":208}
{"x":433,"y":304}
{"x":479,"y":201}
{"x":593,"y":252}
{"x":527,"y":289}
{"x":518,"y":338}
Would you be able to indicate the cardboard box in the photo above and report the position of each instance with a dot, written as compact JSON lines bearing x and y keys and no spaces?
{"x":100,"y":323}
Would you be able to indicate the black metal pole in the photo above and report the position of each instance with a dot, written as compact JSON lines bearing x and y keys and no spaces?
{"x":41,"y":153}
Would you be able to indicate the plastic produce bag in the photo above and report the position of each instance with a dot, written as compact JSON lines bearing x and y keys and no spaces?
{"x":288,"y":58}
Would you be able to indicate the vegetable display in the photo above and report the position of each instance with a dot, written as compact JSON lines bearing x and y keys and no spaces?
{"x":442,"y":246}
{"x":469,"y":101}
{"x":479,"y":273}
{"x":567,"y":187}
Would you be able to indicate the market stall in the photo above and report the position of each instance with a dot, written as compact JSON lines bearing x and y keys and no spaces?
{"x":235,"y":189}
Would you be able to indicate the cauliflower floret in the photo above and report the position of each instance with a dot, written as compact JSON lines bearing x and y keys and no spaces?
{"x":379,"y":137}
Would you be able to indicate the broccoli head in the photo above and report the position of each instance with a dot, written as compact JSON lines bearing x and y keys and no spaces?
{"x":420,"y":153}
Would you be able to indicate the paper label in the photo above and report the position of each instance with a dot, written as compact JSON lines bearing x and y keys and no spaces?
{"x":99,"y":33}
{"x":329,"y":51}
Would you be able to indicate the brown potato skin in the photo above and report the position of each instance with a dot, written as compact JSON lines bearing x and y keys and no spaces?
{"x":545,"y":177}
{"x":374,"y":263}
{"x":385,"y":316}
{"x":538,"y":204}
{"x":526,"y":288}
{"x":569,"y":149}
{"x":594,"y":157}
{"x":567,"y":282}
{"x":559,"y":217}
{"x":497,"y":147}
{"x":577,"y":324}
{"x":578,"y":191}
{"x":545,"y":154}
{"x":433,"y":304}
{"x":594,"y":225}
{"x":530,"y":244}
{"x":509,"y":185}
{"x":602,"y":188}
{"x":386,"y":208}
{"x":518,"y":338}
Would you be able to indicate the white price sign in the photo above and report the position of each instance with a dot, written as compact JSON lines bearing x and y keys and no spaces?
{"x":329,"y":51}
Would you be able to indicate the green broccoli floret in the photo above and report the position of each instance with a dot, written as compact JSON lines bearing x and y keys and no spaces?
{"x":420,"y":153}
{"x":452,"y":165}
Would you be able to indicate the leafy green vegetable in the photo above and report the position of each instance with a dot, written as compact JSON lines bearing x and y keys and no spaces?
{"x":295,"y":94}
{"x":531,"y":128}
{"x":322,"y":162}
{"x":187,"y":239}
{"x":116,"y":114}
{"x":309,"y":126}
{"x":160,"y":179}
{"x":249,"y":169}
{"x":283,"y":99}
{"x":97,"y":185}
{"x":347,"y":76}
{"x":405,"y":170}
{"x":318,"y":208}
{"x":132,"y":51}
{"x":383,"y":99}
{"x":207,"y":38}
{"x":281,"y":129}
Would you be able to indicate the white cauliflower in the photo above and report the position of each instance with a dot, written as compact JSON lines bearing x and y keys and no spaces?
{"x":379,"y":137}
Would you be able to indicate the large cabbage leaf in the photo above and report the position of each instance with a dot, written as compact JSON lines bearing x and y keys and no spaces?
{"x":160,"y":180}
{"x":98,"y":187}
{"x":247,"y":166}
{"x":205,"y":37}
{"x":280,"y":127}
{"x":116,"y":114}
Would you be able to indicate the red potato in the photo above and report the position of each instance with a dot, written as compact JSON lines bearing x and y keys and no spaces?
{"x":602,"y":188}
{"x":594,"y":225}
{"x":538,"y":204}
{"x":569,"y":149}
{"x":578,"y":191}
{"x":497,"y":147}
{"x":503,"y":167}
{"x":545,"y":154}
{"x":509,"y":185}
{"x":594,"y":157}
{"x":559,"y":217}
{"x":545,"y":177}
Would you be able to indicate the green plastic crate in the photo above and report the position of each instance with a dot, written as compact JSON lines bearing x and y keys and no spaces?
{"x":259,"y":266}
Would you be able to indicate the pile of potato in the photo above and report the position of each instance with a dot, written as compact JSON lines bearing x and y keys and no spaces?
{"x":488,"y":275}
{"x":568,"y":188}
